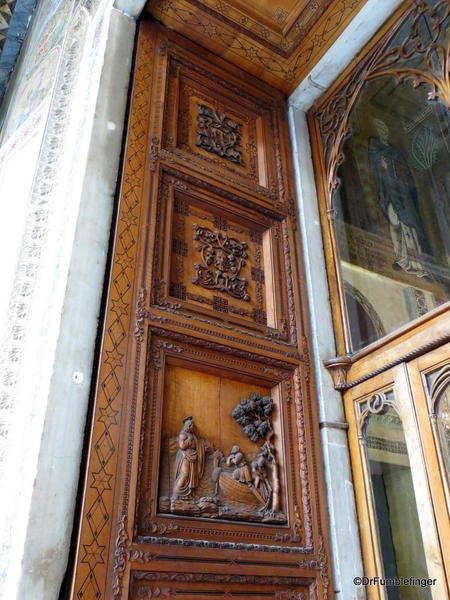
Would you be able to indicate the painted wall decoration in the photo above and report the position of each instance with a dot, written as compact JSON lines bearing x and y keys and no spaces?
{"x":37,"y":72}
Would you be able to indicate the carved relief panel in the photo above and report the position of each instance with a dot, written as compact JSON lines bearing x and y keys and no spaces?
{"x":220,"y":264}
{"x":204,"y":445}
{"x":219,"y":126}
{"x":222,"y":450}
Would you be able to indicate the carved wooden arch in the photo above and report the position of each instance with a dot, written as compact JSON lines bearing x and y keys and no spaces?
{"x":439,"y":386}
{"x":330,"y":118}
{"x":334,"y":117}
{"x":376,"y":405}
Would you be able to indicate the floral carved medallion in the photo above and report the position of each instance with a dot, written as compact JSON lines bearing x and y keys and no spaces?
{"x":222,"y":260}
{"x":218,"y":133}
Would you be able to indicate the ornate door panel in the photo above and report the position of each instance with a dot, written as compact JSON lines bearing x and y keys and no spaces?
{"x":204,"y":475}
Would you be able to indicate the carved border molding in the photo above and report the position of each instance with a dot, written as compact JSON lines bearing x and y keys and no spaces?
{"x":285,"y":591}
{"x":340,"y":366}
{"x":100,"y":483}
{"x":156,"y":349}
{"x":283,"y":63}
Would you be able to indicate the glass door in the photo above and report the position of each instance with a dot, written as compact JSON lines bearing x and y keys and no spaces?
{"x":398,"y":528}
{"x":430,"y":379}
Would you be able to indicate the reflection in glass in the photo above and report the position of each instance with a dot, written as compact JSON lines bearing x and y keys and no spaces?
{"x":395,"y":507}
{"x":392,"y":207}
{"x":439,"y":386}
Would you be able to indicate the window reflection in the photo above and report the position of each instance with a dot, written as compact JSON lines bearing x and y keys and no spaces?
{"x":392,"y":206}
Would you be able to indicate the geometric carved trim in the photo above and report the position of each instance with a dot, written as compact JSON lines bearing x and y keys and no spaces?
{"x":100,"y":484}
{"x":280,"y":55}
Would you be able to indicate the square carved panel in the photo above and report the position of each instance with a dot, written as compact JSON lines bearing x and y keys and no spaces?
{"x":211,"y":124}
{"x":218,"y":459}
{"x":219,"y":261}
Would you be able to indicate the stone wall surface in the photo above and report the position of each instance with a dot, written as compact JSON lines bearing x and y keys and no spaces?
{"x":60,"y":148}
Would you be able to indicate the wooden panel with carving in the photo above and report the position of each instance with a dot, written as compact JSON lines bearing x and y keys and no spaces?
{"x":204,"y":449}
{"x":279,"y":42}
{"x":219,"y":263}
{"x":214,"y":121}
{"x":146,"y":585}
{"x":218,"y":434}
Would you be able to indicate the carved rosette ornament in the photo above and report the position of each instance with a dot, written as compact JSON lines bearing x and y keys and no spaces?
{"x":219,"y":134}
{"x":222,"y":260}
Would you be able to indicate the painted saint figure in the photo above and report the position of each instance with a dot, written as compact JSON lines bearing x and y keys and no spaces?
{"x":190,"y":460}
{"x":397,"y":195}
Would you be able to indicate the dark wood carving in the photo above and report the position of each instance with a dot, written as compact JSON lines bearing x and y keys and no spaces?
{"x":218,"y":133}
{"x":220,"y":261}
{"x":223,"y":258}
{"x":233,"y":486}
{"x":241,"y":495}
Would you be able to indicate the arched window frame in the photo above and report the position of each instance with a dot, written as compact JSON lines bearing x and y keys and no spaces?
{"x":329,"y":127}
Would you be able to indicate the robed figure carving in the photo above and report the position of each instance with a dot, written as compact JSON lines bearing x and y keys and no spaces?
{"x":189,"y":461}
{"x":397,"y":195}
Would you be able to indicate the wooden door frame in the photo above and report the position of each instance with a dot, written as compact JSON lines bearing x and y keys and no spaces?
{"x":108,"y":549}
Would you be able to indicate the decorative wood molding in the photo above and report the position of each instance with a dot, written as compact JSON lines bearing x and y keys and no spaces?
{"x":104,"y":442}
{"x":152,"y":332}
{"x":439,"y":385}
{"x":338,"y":368}
{"x":281,"y":48}
{"x":376,"y":405}
{"x":341,"y":378}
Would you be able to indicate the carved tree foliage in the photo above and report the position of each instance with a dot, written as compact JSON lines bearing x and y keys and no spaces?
{"x":253,"y":414}
{"x":432,"y":56}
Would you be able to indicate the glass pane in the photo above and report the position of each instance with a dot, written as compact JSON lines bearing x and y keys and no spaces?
{"x":400,"y":538}
{"x":393,"y":204}
{"x":439,"y":388}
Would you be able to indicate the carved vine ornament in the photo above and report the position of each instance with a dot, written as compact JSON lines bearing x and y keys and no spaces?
{"x":219,"y":134}
{"x":435,"y":53}
{"x":222,"y":260}
{"x":202,"y":481}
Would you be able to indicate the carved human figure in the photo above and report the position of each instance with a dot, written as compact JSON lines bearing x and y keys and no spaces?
{"x":261,"y":478}
{"x":189,"y":461}
{"x":241,"y":472}
{"x":397,"y":195}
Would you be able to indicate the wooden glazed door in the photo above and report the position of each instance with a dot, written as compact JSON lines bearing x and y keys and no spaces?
{"x":204,"y":476}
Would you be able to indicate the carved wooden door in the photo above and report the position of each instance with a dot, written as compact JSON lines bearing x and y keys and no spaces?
{"x":204,"y":476}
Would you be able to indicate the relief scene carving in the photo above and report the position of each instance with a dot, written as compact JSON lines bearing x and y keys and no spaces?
{"x":198,"y":479}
